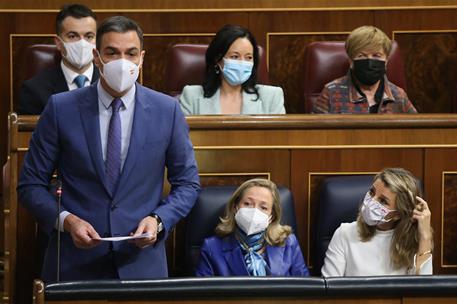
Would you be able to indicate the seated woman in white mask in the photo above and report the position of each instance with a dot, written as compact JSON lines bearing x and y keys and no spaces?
{"x":392,"y":234}
{"x":249,"y":240}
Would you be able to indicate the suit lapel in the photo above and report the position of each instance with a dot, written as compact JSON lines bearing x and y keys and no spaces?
{"x":138,"y":134}
{"x":234,"y":256}
{"x":91,"y":123}
{"x":60,"y":83}
{"x":275,"y":258}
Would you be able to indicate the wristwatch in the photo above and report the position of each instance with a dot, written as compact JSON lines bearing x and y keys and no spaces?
{"x":159,"y":222}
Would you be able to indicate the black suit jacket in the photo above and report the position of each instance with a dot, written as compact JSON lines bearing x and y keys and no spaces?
{"x":35,"y":92}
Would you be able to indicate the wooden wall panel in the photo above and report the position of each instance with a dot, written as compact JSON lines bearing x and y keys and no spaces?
{"x":6,"y":27}
{"x":240,"y":164}
{"x":428,"y":57}
{"x":184,"y":22}
{"x":441,"y":185}
{"x":222,"y":4}
{"x":449,"y":218}
{"x":230,"y":179}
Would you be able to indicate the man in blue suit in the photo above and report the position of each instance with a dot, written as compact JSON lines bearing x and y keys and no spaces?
{"x":110,"y":144}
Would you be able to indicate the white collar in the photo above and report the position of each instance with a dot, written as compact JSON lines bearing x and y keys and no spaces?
{"x":105,"y":98}
{"x":70,"y":75}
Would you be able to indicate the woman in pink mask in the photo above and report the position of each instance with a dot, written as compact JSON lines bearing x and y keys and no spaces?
{"x":250,"y":241}
{"x":392,"y":234}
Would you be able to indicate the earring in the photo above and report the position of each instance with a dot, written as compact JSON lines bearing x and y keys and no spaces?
{"x":217,"y":69}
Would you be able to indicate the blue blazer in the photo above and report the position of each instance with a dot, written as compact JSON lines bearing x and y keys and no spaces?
{"x":67,"y":139}
{"x":223,"y":257}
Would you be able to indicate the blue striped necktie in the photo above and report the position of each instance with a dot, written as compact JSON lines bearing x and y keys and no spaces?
{"x":113,"y":147}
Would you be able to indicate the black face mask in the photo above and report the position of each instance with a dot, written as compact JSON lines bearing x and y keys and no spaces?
{"x":369,"y":71}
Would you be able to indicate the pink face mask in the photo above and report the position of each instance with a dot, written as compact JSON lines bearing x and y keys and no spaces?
{"x":373,"y":212}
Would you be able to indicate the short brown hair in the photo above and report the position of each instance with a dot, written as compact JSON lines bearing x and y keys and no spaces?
{"x":276,"y":234}
{"x":118,"y":24}
{"x":77,"y":11}
{"x":367,"y":37}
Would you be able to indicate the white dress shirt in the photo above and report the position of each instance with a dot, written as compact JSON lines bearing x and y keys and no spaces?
{"x":347,"y":255}
{"x":70,"y":76}
{"x":126,"y":113}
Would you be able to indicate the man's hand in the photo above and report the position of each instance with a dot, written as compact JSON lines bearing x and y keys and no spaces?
{"x":147,"y":225}
{"x":83,"y":234}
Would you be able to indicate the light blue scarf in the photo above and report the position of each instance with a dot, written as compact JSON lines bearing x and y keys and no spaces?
{"x":250,"y":245}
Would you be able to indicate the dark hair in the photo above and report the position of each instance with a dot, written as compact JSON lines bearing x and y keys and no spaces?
{"x":118,"y":24}
{"x":77,"y":11}
{"x":217,"y":50}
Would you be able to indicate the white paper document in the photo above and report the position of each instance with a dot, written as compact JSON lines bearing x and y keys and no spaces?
{"x":124,"y":238}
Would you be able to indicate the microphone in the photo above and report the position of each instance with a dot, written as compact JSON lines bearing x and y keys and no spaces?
{"x":59,"y":198}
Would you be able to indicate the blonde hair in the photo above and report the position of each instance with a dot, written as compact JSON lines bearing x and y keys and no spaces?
{"x":367,"y":37}
{"x":276,"y":234}
{"x":405,"y":241}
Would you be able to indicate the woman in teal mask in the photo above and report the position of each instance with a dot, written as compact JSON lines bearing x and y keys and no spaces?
{"x":230,"y":85}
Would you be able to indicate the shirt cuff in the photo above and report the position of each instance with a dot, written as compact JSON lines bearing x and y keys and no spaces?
{"x":159,"y":222}
{"x":425,"y":268}
{"x":63,"y":215}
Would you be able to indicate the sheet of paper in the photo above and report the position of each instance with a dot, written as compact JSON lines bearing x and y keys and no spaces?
{"x":124,"y":238}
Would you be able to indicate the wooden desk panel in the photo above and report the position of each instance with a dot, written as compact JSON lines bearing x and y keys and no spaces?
{"x":297,"y":151}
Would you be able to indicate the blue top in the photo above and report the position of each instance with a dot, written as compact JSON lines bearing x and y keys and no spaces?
{"x":223,"y":257}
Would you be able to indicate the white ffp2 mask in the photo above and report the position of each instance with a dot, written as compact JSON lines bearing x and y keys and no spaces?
{"x":251,"y":220}
{"x":120,"y":74}
{"x":79,"y":53}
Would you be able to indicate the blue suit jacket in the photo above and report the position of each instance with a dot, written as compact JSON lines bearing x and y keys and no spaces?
{"x":223,"y":257}
{"x":67,"y":138}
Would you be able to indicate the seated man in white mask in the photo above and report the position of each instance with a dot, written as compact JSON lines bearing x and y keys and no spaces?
{"x":75,"y":28}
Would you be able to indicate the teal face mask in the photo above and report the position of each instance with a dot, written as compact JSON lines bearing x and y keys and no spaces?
{"x":236,"y":72}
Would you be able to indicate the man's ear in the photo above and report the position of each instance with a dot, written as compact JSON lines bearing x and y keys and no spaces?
{"x":143,"y":52}
{"x":97,"y":60}
{"x":60,"y":46}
